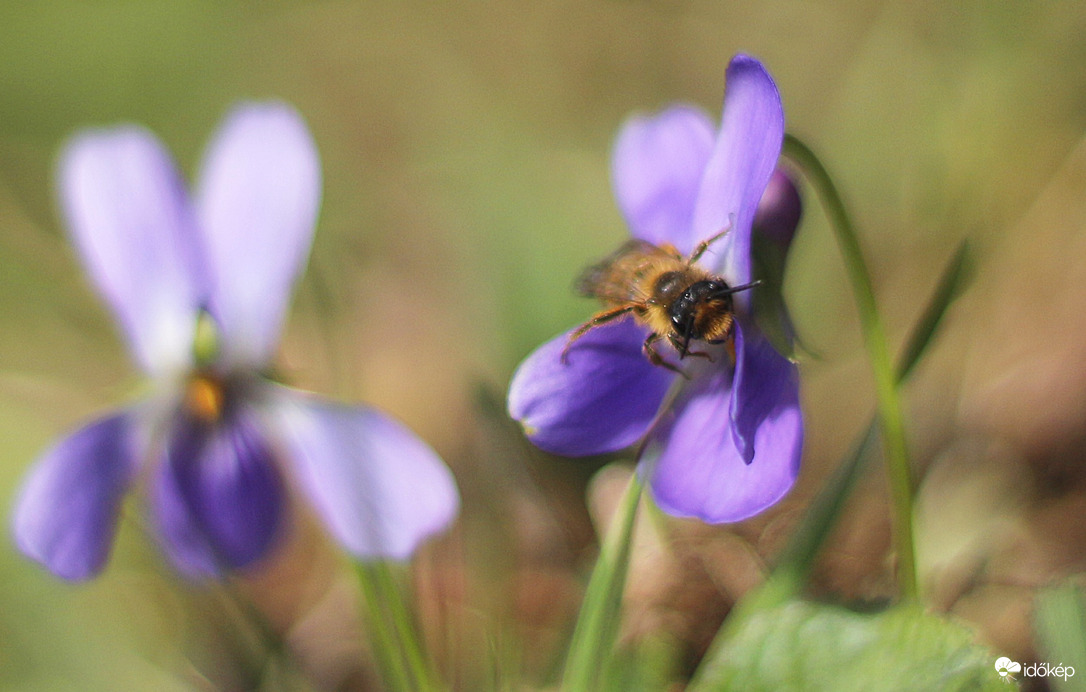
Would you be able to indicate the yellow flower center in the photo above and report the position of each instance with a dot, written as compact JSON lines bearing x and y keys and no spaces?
{"x":204,"y":398}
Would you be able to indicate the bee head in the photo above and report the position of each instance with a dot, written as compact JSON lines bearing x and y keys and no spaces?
{"x":704,"y":311}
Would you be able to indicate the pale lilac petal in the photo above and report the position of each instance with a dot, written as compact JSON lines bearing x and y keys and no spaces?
{"x":656,"y":170}
{"x":380,"y":490}
{"x":218,"y":497}
{"x":129,"y":217}
{"x":602,"y":399}
{"x":695,"y":469}
{"x":258,"y":199}
{"x":745,"y":154}
{"x":66,"y":515}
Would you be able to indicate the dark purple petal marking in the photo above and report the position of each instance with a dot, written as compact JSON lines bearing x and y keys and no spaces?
{"x":656,"y":171}
{"x":66,"y":515}
{"x":379,"y":488}
{"x":257,"y":202}
{"x":602,"y":399}
{"x":218,"y":497}
{"x":129,"y":217}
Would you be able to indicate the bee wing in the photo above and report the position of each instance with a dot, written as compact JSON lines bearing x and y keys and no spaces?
{"x":613,"y":279}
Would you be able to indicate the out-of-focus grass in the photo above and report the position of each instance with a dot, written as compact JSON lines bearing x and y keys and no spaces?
{"x":465,"y":151}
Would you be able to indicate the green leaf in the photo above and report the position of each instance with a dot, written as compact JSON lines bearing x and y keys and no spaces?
{"x":821,"y":517}
{"x":800,"y":645}
{"x":824,"y":511}
{"x":951,"y":284}
{"x":1061,"y":630}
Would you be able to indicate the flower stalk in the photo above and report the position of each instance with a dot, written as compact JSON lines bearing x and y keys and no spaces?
{"x":891,"y":418}
{"x":593,"y":639}
{"x":396,"y":642}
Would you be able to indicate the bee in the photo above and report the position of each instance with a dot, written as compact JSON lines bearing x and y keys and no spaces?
{"x":664,"y":291}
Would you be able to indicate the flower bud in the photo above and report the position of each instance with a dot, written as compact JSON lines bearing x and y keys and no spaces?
{"x":779,"y":210}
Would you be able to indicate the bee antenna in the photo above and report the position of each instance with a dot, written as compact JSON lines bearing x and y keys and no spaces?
{"x":728,"y":290}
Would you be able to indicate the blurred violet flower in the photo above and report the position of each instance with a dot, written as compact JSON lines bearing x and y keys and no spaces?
{"x":200,"y":288}
{"x":729,"y":446}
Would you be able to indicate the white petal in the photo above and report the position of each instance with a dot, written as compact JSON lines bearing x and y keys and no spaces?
{"x":257,"y":202}
{"x":130,"y":219}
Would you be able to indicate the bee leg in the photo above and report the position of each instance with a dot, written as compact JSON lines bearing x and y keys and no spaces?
{"x":704,"y":245}
{"x":682,"y":348}
{"x":649,"y":349}
{"x":729,"y":345}
{"x":597,"y":320}
{"x":701,"y":354}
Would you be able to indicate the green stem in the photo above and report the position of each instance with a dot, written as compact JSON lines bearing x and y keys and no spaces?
{"x":405,"y":625}
{"x":271,"y":652}
{"x":597,"y":625}
{"x":796,"y":560}
{"x":393,"y":666}
{"x":888,"y":401}
{"x":396,"y":641}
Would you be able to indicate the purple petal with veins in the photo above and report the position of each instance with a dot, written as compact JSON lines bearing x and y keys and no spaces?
{"x":218,"y":496}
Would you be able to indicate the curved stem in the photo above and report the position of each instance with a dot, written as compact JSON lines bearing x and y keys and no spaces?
{"x":889,"y":403}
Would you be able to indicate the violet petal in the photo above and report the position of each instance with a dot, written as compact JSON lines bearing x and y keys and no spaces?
{"x":766,"y":385}
{"x":66,"y":514}
{"x":258,"y":198}
{"x":379,"y":488}
{"x":218,"y":496}
{"x":602,"y":399}
{"x":697,"y":470}
{"x":656,"y":171}
{"x":745,"y":154}
{"x":129,"y":217}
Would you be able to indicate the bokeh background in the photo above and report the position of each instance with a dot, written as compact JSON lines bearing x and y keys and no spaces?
{"x":465,"y":149}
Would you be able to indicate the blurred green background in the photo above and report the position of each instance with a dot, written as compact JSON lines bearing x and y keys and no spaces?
{"x":465,"y":149}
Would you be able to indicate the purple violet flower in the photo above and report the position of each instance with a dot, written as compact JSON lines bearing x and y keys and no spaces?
{"x":729,"y":446}
{"x":200,"y":287}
